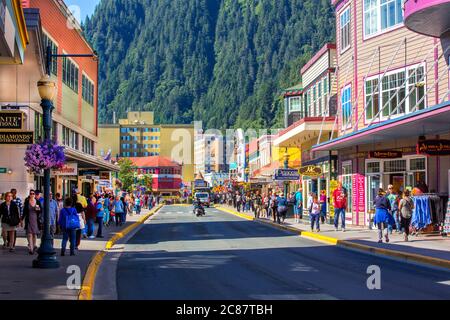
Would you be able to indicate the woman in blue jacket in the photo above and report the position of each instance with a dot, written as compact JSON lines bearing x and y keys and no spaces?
{"x":382,"y":217}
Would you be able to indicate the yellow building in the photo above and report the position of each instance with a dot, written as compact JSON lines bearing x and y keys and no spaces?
{"x":138,"y":136}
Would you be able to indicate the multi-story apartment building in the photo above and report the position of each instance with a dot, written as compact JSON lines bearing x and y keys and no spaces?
{"x":209,"y":154}
{"x":138,"y":136}
{"x":75,"y":114}
{"x":393,"y":108}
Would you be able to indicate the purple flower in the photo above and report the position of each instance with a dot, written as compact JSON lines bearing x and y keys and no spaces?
{"x":44,"y":155}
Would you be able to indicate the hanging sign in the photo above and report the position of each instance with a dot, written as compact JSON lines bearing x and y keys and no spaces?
{"x":286,"y":175}
{"x":69,"y":169}
{"x":11,"y":120}
{"x":434,"y":147}
{"x":11,"y":137}
{"x":310,"y":171}
{"x":385,"y":154}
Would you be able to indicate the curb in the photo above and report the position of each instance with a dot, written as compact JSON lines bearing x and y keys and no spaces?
{"x":406,"y":257}
{"x":87,"y":287}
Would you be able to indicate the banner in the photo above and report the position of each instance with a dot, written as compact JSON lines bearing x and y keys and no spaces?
{"x":434,"y":147}
{"x":69,"y":169}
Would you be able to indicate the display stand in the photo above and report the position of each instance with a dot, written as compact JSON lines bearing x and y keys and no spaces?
{"x":446,"y":231}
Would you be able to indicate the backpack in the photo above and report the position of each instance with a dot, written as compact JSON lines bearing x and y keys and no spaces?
{"x":407,"y":209}
{"x":72,"y":220}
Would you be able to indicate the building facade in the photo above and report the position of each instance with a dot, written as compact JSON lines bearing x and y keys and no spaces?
{"x":393,"y":92}
{"x":138,"y":136}
{"x":209,"y":154}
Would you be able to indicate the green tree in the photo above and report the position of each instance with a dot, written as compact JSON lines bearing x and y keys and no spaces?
{"x":148,"y":181}
{"x":126,"y":174}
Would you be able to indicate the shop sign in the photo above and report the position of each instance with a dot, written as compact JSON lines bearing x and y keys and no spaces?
{"x":104,"y":175}
{"x":69,"y":169}
{"x":385,"y":154}
{"x":286,"y":175}
{"x":310,"y":171}
{"x":11,"y":120}
{"x":200,"y":184}
{"x":11,"y":137}
{"x":89,"y":173}
{"x":434,"y":147}
{"x":3,"y":170}
{"x":359,"y":194}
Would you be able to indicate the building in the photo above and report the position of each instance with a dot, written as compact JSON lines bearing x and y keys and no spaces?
{"x":209,"y":150}
{"x":166,"y":174}
{"x":138,"y":136}
{"x":313,"y":107}
{"x":393,"y":99}
{"x":74,"y":117}
{"x":14,"y":36}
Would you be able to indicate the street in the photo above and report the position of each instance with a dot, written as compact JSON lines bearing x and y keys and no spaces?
{"x":176,"y":255}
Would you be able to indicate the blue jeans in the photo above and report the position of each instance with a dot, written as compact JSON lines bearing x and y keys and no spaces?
{"x":100,"y":226}
{"x":90,"y":227}
{"x":397,"y":218}
{"x":337,"y":212}
{"x":315,"y":220}
{"x":69,"y":235}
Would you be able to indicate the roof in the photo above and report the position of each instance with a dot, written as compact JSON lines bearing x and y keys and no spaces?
{"x":294,"y":91}
{"x":154,"y":162}
{"x":317,"y":56}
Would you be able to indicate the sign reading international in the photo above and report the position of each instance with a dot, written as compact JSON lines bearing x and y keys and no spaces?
{"x":434,"y":147}
{"x":11,"y":120}
{"x":286,"y":175}
{"x":310,"y":171}
{"x":385,"y":154}
{"x":11,"y":137}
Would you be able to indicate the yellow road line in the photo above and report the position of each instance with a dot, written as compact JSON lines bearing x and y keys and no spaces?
{"x":441,"y":263}
{"x":87,"y":287}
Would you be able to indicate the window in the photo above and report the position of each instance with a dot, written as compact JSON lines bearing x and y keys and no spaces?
{"x":319,"y":98}
{"x":38,"y":127}
{"x":54,"y":132}
{"x":395,"y":166}
{"x":373,"y":167}
{"x":314,"y":102}
{"x":70,"y":74}
{"x":392,"y":95}
{"x":417,"y":164}
{"x":54,"y":50}
{"x":88,"y":146}
{"x":345,"y":30}
{"x":294,"y":104}
{"x":372,"y":98}
{"x":381,"y":15}
{"x":70,"y":138}
{"x":346,"y":103}
{"x":88,"y":90}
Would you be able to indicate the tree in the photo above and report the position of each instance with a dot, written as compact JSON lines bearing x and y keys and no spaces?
{"x":126,"y":174}
{"x":147,"y":180}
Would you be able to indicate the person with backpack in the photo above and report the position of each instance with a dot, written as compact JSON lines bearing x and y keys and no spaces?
{"x":10,"y":219}
{"x":298,"y":205}
{"x":382,"y":217}
{"x":258,"y":201}
{"x":69,"y":223}
{"x":406,"y":208}
{"x":282,"y":208}
{"x":274,"y":206}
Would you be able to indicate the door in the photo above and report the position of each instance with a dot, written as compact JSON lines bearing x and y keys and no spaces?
{"x":398,"y":181}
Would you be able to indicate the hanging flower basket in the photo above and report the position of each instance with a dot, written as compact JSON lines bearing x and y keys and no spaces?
{"x":44,"y":155}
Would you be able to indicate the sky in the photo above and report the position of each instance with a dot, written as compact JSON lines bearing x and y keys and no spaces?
{"x":85,"y":7}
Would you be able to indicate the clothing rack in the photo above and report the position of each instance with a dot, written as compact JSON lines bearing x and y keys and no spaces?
{"x":436,"y":212}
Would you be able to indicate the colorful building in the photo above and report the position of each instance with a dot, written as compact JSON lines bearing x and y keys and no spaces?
{"x":166,"y":174}
{"x":312,"y":107}
{"x":138,"y":136}
{"x":210,"y":153}
{"x":393,"y":121}
{"x":74,"y":117}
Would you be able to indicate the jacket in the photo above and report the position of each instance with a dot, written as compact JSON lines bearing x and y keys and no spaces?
{"x":12,"y":216}
{"x":26,"y":213}
{"x":91,"y":211}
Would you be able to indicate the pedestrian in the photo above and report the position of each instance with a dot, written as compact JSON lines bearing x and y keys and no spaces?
{"x":118,"y":210}
{"x":238,"y":202}
{"x":19,"y":203}
{"x":315,"y":214}
{"x":323,"y":206}
{"x":81,"y":199}
{"x":340,"y":204}
{"x":82,"y":218}
{"x":274,"y":207}
{"x":392,"y":197}
{"x":10,"y":219}
{"x":137,"y":204}
{"x":406,"y":208}
{"x":91,"y":216}
{"x":54,"y":213}
{"x":100,"y":215}
{"x":32,"y":212}
{"x":106,"y":210}
{"x":59,"y":200}
{"x":298,"y":205}
{"x":382,"y":217}
{"x":310,"y":201}
{"x":258,"y":201}
{"x":282,"y":208}
{"x":69,"y":223}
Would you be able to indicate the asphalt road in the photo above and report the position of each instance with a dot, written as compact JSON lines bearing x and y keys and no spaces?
{"x":179,"y":256}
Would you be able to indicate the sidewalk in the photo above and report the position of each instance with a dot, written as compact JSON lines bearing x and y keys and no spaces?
{"x":18,"y":280}
{"x":423,"y":249}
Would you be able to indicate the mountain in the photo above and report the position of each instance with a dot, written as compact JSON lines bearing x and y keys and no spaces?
{"x":220,"y":61}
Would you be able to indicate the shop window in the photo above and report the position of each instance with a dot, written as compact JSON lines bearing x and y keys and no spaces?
{"x":381,"y":15}
{"x":346,"y":104}
{"x":373,"y":167}
{"x":395,"y":166}
{"x":417,"y":164}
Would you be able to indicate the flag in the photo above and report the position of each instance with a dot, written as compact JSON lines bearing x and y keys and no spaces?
{"x":108,"y":156}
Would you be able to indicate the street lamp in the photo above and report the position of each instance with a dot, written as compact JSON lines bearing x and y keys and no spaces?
{"x":247,"y":173}
{"x":47,"y":255}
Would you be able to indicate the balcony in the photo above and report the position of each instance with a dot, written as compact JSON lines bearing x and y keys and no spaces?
{"x":428,"y":17}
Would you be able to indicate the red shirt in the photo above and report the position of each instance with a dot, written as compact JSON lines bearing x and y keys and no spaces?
{"x":339,"y":198}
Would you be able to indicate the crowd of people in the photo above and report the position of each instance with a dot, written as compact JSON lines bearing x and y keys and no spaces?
{"x":275,"y":205}
{"x":72,"y":218}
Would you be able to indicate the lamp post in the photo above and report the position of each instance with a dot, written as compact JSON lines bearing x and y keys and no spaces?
{"x":286,"y":166}
{"x":47,"y":255}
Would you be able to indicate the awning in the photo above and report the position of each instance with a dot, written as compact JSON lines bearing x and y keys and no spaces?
{"x":431,"y":121}
{"x":302,"y":130}
{"x":89,"y":162}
